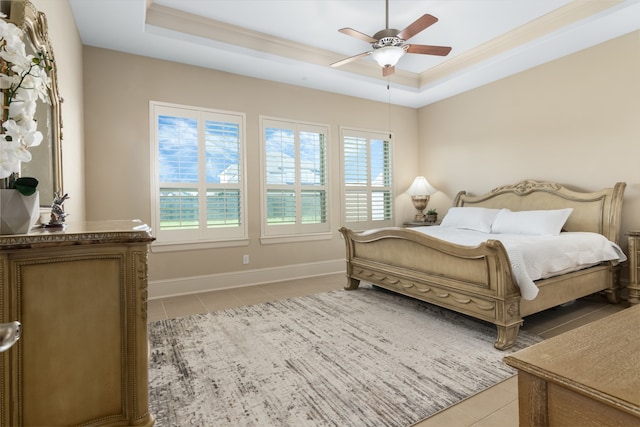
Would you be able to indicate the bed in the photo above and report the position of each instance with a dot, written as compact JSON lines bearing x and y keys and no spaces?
{"x":478,"y":280}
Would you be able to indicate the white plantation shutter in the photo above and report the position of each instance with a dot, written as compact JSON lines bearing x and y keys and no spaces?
{"x":314,"y":206}
{"x":199,"y":183}
{"x":281,"y":207}
{"x":223,"y":207}
{"x":356,"y":206}
{"x":380,"y":170}
{"x":368,"y":200}
{"x":181,"y":205}
{"x":294,"y":177}
{"x":222,"y":171}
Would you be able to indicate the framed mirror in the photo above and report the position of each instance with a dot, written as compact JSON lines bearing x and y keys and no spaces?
{"x":46,"y":163}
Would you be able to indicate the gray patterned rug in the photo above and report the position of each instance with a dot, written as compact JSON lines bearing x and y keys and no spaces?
{"x":343,"y":358}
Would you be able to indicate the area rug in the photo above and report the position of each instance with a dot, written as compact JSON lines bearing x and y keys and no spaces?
{"x":342,"y":358}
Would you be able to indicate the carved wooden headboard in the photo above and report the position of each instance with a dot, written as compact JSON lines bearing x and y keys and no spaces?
{"x":598,"y":211}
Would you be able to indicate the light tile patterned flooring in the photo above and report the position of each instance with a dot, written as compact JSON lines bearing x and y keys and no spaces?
{"x":497,"y":406}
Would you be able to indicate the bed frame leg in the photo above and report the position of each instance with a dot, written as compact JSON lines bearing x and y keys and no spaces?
{"x":613,"y":295}
{"x":352,"y":284}
{"x":613,"y":290}
{"x":507,"y":336}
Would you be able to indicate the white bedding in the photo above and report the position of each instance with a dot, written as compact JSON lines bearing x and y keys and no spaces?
{"x":538,"y":257}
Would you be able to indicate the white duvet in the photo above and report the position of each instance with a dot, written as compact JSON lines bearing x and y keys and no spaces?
{"x":538,"y":257}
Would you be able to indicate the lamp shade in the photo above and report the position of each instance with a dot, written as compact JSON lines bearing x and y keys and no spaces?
{"x":421,"y":187}
{"x":388,"y":56}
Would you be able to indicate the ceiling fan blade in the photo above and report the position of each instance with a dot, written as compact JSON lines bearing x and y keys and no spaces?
{"x":357,"y":34}
{"x":387,"y":71}
{"x":418,"y":25}
{"x":428,"y":50}
{"x":351,"y":58}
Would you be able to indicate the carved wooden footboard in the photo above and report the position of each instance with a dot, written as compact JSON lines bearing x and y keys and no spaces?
{"x":474,"y":281}
{"x":478,"y":281}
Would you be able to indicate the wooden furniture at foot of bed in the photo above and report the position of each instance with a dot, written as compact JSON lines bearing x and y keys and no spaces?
{"x":563,"y":382}
{"x":478,"y":281}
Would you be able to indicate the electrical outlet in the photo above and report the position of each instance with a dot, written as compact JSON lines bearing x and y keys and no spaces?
{"x":245,"y":259}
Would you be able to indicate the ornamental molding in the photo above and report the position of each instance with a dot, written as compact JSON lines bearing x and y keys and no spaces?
{"x":42,"y":238}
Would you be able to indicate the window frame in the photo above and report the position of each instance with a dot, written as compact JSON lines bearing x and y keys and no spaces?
{"x":369,"y":135}
{"x":203,"y":236}
{"x":282,"y":233}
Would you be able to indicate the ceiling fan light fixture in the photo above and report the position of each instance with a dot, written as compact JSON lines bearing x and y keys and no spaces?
{"x":388,"y":56}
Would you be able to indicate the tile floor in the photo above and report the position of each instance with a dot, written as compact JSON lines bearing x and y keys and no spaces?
{"x":497,"y":406}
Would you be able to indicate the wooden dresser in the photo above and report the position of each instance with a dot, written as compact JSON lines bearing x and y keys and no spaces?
{"x":589,"y":376}
{"x":80,"y":294}
{"x":634,"y":267}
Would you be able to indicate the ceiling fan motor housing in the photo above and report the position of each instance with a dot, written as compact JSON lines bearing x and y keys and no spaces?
{"x":387,"y":32}
{"x":387,"y":41}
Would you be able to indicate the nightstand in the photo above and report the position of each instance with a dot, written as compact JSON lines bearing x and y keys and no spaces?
{"x":409,"y":224}
{"x":634,"y":267}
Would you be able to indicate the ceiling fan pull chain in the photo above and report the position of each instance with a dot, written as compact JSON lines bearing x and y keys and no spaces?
{"x":389,"y":98}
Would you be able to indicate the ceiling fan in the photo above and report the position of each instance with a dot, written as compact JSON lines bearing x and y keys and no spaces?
{"x":389,"y":45}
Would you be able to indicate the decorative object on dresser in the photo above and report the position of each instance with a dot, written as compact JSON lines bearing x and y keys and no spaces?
{"x":588,"y":376}
{"x":337,"y":358}
{"x":30,"y":87}
{"x":24,"y":82}
{"x":81,"y":297}
{"x":18,"y":213}
{"x":480,"y":279}
{"x":58,"y":215}
{"x":634,"y":267}
{"x":420,"y":191}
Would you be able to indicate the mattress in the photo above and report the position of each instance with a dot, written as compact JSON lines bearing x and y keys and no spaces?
{"x":538,"y":257}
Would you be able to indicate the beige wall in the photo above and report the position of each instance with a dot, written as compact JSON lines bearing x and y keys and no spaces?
{"x":118,"y":88}
{"x":575,"y":120}
{"x":67,"y":48}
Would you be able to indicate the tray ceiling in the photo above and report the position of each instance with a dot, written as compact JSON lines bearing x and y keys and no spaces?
{"x":294,"y":42}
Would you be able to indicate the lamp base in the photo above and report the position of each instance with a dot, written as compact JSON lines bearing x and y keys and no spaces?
{"x":420,"y":203}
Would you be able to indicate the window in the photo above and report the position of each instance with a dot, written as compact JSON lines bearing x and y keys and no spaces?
{"x":199,"y":192}
{"x":368,"y":199}
{"x":295,"y":178}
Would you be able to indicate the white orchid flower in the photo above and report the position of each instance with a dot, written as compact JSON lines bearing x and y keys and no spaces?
{"x":7,"y":82}
{"x":32,"y":139}
{"x":40,"y":81}
{"x":23,"y":105}
{"x":14,"y":52}
{"x":26,"y":133}
{"x":23,"y":83}
{"x":12,"y":130}
{"x":22,"y":154}
{"x":9,"y":160}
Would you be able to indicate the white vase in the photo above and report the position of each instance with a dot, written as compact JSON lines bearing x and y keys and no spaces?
{"x":18,"y":213}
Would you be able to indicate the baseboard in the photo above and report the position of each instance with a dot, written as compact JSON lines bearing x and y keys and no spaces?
{"x":195,"y":284}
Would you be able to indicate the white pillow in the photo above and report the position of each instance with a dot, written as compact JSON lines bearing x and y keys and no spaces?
{"x":538,"y":223}
{"x":471,"y":218}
